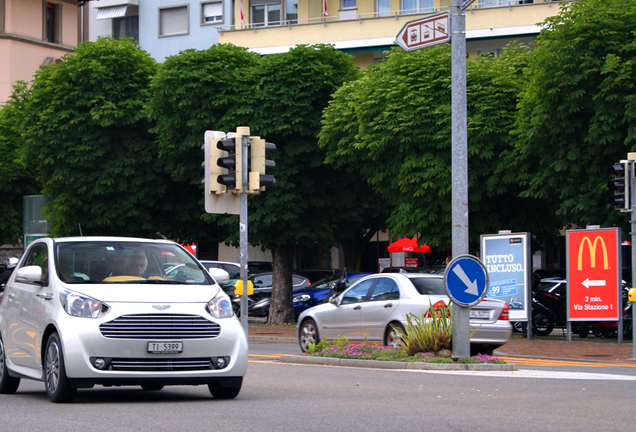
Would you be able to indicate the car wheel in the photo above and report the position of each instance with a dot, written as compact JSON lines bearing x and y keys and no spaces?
{"x":308,"y":334}
{"x":152,"y":387}
{"x":8,"y":384}
{"x":584,"y":330}
{"x":517,"y":326}
{"x":391,"y":336}
{"x":58,"y":387}
{"x":542,"y":323}
{"x":219,"y":391}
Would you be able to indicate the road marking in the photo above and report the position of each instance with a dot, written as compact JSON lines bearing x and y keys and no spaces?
{"x":549,"y":362}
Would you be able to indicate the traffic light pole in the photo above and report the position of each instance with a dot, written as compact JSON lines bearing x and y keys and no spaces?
{"x":632,"y":183}
{"x":243,"y":226}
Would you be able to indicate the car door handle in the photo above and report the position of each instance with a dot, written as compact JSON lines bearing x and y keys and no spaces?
{"x":47,"y":296}
{"x":388,"y":305}
{"x":357,"y":308}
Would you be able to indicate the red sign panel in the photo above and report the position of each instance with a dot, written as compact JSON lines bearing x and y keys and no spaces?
{"x":593,"y":272}
{"x":425,"y":32}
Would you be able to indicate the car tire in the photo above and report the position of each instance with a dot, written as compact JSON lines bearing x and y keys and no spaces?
{"x":391,"y":336}
{"x":584,"y":329}
{"x":8,"y":384}
{"x":308,"y":334}
{"x":152,"y":387}
{"x":57,"y":384}
{"x":542,"y":323}
{"x":219,"y":391}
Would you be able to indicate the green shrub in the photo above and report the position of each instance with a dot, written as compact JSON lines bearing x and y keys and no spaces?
{"x":427,"y":333}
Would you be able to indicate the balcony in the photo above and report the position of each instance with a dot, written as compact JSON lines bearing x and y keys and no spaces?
{"x":362,"y":30}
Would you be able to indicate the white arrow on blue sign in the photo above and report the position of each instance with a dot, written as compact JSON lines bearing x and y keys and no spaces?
{"x":466,"y":280}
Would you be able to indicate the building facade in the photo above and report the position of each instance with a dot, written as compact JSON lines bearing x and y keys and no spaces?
{"x":34,"y":33}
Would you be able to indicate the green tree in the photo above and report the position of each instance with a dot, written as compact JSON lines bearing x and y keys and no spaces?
{"x":393,"y":127}
{"x":192,"y":92}
{"x":16,"y":180}
{"x":88,"y":140}
{"x":293,"y":90}
{"x":578,"y":111}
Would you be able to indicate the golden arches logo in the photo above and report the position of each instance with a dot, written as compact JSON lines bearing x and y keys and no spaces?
{"x":592,"y":247}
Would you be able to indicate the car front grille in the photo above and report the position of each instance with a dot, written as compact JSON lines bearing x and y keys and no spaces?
{"x":160,"y":326}
{"x":159,"y":365}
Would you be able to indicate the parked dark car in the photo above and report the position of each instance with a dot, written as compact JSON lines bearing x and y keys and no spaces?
{"x":319,"y":291}
{"x":258,"y":303}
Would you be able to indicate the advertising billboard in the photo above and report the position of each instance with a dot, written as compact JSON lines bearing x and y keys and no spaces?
{"x":507,"y":260}
{"x":594,"y":274}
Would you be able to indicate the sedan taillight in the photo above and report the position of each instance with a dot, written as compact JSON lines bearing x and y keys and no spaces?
{"x":438,"y":308}
{"x":504,"y":313}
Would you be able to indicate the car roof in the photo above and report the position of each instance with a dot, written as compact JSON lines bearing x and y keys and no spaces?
{"x":107,"y":238}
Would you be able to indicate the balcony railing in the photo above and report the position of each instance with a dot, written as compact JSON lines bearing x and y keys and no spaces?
{"x":347,"y":15}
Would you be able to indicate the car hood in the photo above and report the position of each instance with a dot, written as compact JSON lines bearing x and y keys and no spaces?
{"x":146,"y":293}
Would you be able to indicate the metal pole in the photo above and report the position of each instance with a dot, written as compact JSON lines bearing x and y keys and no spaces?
{"x":243,"y":225}
{"x":632,"y":191}
{"x":459,"y":224}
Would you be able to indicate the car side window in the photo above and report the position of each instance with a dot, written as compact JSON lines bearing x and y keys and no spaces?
{"x":385,"y":289}
{"x":263,"y":281}
{"x":358,"y":293}
{"x":38,"y":256}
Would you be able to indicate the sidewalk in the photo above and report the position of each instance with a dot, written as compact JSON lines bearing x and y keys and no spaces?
{"x":554,"y":346}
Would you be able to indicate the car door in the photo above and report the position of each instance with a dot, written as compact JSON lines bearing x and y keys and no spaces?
{"x":27,"y":311}
{"x":376,"y":312}
{"x":344,"y":319}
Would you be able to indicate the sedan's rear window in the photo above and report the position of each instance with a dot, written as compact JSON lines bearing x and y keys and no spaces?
{"x":429,"y":286}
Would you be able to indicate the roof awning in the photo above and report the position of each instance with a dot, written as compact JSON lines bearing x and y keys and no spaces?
{"x":110,"y":12}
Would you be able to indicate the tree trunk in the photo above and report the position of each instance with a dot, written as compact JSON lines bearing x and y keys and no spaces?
{"x":281,"y":309}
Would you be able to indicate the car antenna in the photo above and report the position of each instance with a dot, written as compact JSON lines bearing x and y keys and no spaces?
{"x":80,"y":229}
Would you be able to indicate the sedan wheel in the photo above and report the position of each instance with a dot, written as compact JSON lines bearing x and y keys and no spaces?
{"x":8,"y":385}
{"x":391,"y":336}
{"x":308,"y":334}
{"x":58,"y":387}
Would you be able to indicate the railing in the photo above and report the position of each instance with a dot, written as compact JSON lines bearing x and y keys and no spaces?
{"x":478,"y":4}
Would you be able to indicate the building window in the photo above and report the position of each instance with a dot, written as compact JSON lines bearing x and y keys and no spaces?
{"x":383,"y":7}
{"x":126,"y":27}
{"x":266,"y":15}
{"x":348,"y":4}
{"x":417,"y":6}
{"x":211,"y":12}
{"x":174,"y":21}
{"x":51,"y":22}
{"x":291,"y":11}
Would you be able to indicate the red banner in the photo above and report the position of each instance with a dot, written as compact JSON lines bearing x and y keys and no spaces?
{"x":593,"y":272}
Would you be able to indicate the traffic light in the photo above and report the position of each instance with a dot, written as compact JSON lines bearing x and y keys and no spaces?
{"x":212,"y":170}
{"x":231,"y":159}
{"x":259,"y":165}
{"x":620,"y":185}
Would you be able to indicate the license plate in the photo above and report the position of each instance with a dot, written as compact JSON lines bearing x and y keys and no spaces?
{"x":481,"y":314}
{"x":165,"y":347}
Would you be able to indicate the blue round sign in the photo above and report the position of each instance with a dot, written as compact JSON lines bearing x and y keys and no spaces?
{"x":466,"y":280}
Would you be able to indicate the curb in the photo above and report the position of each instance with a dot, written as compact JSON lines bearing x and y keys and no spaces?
{"x":276,"y":339}
{"x":377,"y":364}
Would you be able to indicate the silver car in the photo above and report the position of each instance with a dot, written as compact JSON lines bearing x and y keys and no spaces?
{"x":370,"y":308}
{"x":101,"y":310}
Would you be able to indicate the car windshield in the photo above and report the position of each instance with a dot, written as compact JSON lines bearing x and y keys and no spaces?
{"x":127,"y":262}
{"x":428,"y":285}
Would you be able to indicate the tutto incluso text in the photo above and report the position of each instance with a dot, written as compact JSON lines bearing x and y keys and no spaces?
{"x":502,"y":264}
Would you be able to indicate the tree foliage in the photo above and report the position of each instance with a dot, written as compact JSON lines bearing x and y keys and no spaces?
{"x":578,"y":111}
{"x":393,"y":127}
{"x":195,"y":91}
{"x":88,"y":139}
{"x":16,"y":180}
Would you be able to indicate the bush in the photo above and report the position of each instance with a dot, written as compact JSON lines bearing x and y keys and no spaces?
{"x":428,"y":333}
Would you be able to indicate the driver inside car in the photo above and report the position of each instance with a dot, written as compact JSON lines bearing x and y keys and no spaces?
{"x":136,"y":264}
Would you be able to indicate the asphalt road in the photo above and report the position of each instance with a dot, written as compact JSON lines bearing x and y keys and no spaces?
{"x":285,"y":397}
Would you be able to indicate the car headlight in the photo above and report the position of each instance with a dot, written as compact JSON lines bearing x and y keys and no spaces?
{"x":220,"y":306}
{"x":301,"y":298}
{"x":78,"y":305}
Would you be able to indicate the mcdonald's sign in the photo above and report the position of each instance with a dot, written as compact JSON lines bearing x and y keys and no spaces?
{"x":594,"y":274}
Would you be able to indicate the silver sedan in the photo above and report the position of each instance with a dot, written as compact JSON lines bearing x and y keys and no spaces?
{"x":374,"y":305}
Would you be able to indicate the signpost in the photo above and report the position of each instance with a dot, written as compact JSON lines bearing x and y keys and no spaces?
{"x":466,"y":280}
{"x":594,"y":276}
{"x":425,"y":32}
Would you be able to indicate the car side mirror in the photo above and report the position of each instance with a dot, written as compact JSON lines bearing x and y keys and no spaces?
{"x":334,"y":301}
{"x":219,"y":275}
{"x":29,"y":274}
